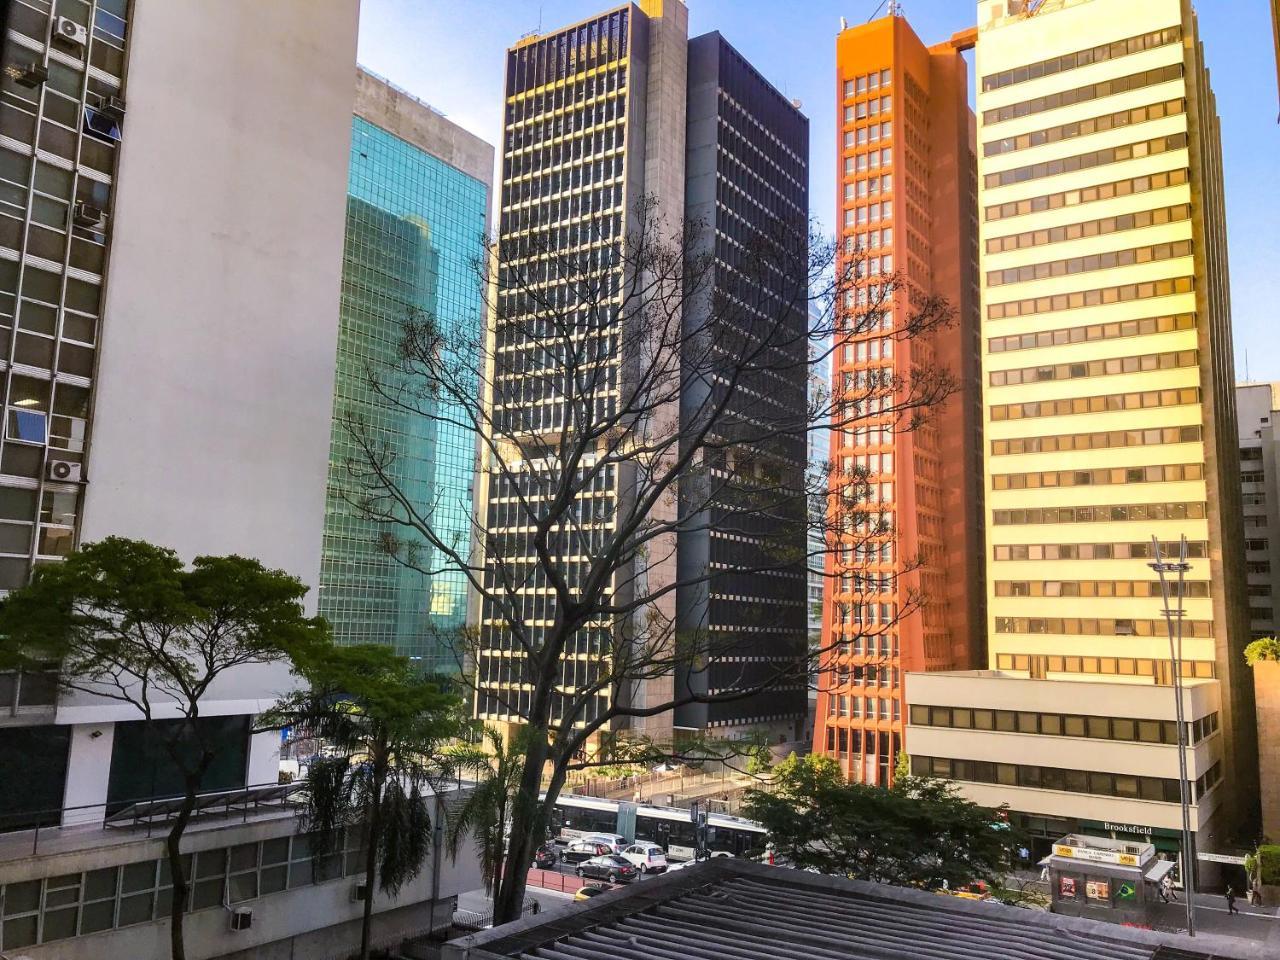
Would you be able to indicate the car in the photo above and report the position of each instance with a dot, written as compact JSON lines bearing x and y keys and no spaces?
{"x":580,"y":850}
{"x":649,"y":857}
{"x":546,"y":857}
{"x":680,"y":865}
{"x":611,"y":867}
{"x":589,"y":891}
{"x":614,"y":842}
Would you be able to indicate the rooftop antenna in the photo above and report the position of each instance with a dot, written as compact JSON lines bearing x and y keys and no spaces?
{"x":879,"y":7}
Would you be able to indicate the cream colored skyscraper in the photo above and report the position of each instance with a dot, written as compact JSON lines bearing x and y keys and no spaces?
{"x":1109,"y":418}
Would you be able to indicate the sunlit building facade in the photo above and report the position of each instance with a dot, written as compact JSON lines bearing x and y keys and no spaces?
{"x":904,"y":585}
{"x":1110,"y":419}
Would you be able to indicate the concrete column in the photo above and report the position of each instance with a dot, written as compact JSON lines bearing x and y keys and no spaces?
{"x":88,"y":771}
{"x":1266,"y":687}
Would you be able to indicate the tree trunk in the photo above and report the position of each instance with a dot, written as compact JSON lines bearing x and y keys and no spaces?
{"x":508,"y":901}
{"x":181,"y":886}
{"x":371,"y":858}
{"x":500,"y":857}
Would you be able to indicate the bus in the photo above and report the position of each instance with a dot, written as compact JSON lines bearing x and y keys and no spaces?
{"x":669,"y":827}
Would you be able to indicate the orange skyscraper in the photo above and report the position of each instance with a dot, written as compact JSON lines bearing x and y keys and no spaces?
{"x":912,"y":598}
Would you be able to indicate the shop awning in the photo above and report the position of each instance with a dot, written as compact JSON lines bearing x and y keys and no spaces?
{"x":1159,"y":870}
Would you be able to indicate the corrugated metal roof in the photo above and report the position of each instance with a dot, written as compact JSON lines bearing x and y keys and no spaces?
{"x":749,"y":919}
{"x":734,"y":910}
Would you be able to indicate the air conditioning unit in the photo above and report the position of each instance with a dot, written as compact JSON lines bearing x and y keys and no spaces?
{"x":70,"y":33}
{"x":360,"y":893}
{"x":111,"y":106}
{"x":241,"y":919}
{"x":34,"y":75}
{"x":64,"y":471}
{"x":87,"y":215}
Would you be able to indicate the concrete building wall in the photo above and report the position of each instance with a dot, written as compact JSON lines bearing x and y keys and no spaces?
{"x":992,"y":690}
{"x":209,"y":430}
{"x":316,"y":920}
{"x":1266,"y":686}
{"x":400,"y":113}
{"x":211,"y":422}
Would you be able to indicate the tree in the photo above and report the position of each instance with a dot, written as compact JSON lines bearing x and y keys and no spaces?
{"x":1262,"y":649}
{"x":125,"y":620}
{"x":631,"y":396}
{"x":486,"y":810}
{"x":386,"y":726}
{"x":919,"y":832}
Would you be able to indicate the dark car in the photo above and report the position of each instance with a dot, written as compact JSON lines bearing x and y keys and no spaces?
{"x":546,"y":857}
{"x":610,"y":867}
{"x":580,"y":850}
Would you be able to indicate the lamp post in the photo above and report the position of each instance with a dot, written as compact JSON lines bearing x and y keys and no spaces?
{"x":1172,"y":617}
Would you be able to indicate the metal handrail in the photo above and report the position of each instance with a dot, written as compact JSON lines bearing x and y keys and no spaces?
{"x":136,"y":801}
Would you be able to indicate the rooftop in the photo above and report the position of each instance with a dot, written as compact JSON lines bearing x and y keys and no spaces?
{"x":728,"y":909}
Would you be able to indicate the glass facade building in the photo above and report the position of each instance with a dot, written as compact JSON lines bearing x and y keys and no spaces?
{"x":414,"y":228}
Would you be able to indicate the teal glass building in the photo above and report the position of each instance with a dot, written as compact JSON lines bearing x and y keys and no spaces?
{"x":414,"y":228}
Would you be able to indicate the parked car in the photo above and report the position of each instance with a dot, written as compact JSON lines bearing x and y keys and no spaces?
{"x":649,"y":857}
{"x":610,"y":867}
{"x":587,"y":892}
{"x":546,"y":857}
{"x":580,"y":850}
{"x":614,"y":842}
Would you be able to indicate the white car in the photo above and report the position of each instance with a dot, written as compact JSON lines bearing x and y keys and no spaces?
{"x":611,"y":840}
{"x":649,"y":857}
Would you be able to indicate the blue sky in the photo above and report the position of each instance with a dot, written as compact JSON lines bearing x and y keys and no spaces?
{"x":451,"y":55}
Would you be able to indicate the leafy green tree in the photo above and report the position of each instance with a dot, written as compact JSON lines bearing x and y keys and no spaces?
{"x":487,"y":808}
{"x":917,"y":833}
{"x":387,"y":726}
{"x":125,"y":620}
{"x":1264,"y":648}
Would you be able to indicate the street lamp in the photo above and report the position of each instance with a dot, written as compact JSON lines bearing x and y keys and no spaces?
{"x":1172,"y":616}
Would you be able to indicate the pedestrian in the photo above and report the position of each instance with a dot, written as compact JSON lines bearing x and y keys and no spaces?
{"x":1231,"y":902}
{"x":1166,"y":889}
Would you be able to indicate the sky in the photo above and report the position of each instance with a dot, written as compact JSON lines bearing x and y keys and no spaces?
{"x":451,"y":54}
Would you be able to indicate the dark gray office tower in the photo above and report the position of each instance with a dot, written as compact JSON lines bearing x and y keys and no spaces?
{"x":747,"y":184}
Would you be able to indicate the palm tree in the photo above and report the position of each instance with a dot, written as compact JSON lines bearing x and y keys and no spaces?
{"x":487,"y":809}
{"x":386,"y":725}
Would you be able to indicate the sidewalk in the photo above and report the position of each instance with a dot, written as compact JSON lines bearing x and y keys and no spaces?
{"x":1253,"y":923}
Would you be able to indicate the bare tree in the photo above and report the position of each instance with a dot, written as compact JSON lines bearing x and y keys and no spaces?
{"x":629,"y":396}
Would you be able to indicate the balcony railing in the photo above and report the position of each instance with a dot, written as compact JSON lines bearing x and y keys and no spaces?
{"x":82,"y":827}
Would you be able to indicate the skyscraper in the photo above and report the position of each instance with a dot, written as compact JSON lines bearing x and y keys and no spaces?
{"x":417,"y":206}
{"x":1110,"y":419}
{"x":747,"y":171}
{"x":908,"y":597}
{"x":603,"y":118}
